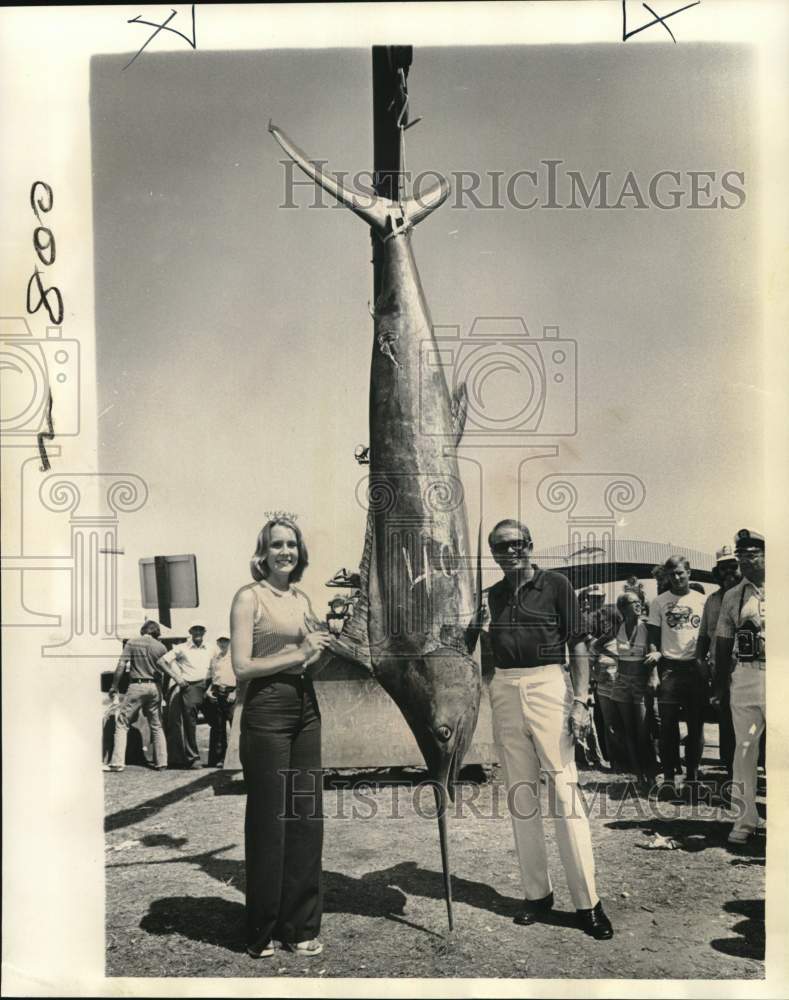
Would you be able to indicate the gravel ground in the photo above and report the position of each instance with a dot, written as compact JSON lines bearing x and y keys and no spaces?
{"x":175,"y":885}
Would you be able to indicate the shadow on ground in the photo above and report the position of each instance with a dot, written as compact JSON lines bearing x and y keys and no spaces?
{"x":135,"y":814}
{"x":381,"y":893}
{"x":750,"y":943}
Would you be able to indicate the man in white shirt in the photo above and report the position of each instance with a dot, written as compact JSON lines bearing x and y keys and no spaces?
{"x":190,"y":664}
{"x":742,"y":662}
{"x":673,"y":630}
{"x":219,"y":701}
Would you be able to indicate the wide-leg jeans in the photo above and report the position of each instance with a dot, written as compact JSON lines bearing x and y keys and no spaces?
{"x":281,"y":757}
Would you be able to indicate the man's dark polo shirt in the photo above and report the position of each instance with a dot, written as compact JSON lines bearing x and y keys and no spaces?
{"x":533,"y":627}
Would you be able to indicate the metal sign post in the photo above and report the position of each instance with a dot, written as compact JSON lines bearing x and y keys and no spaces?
{"x":168,"y":582}
{"x":163,"y":590}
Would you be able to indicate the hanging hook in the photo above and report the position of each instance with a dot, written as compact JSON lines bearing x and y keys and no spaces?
{"x":403,"y":97}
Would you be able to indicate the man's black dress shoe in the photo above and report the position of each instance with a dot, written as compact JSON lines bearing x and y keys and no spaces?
{"x":595,"y":923}
{"x":532,"y":908}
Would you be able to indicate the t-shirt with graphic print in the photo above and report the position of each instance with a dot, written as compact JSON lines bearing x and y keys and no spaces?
{"x":678,"y":616}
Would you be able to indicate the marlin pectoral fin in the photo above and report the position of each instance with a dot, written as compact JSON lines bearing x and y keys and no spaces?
{"x":369,"y":207}
{"x":459,"y":409}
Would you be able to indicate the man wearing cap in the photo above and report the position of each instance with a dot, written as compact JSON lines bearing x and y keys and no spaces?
{"x":219,"y":701}
{"x":726,"y":573}
{"x":539,"y":711}
{"x":189,"y":664}
{"x":742,"y":664}
{"x":673,"y":630}
{"x":141,"y":655}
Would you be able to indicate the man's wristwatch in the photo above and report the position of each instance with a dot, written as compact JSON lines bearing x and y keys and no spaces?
{"x":581,"y":701}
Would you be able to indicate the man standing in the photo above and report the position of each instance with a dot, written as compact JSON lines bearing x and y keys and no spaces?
{"x":538,"y":712}
{"x":190,"y":663}
{"x":742,"y":663}
{"x":673,"y":629}
{"x":727,"y":574}
{"x":219,"y":701}
{"x":141,"y":656}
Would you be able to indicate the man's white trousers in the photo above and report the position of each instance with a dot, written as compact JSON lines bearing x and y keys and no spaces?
{"x":530,"y":709}
{"x":748,"y":715}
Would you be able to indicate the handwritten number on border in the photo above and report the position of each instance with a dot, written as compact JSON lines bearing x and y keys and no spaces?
{"x":43,"y":298}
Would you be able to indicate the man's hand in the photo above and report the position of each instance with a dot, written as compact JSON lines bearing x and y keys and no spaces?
{"x":209,"y":695}
{"x":183,"y":684}
{"x":579,"y":722}
{"x":231,"y":697}
{"x":653,"y":658}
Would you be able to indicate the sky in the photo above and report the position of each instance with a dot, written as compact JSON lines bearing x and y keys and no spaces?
{"x":234,"y":338}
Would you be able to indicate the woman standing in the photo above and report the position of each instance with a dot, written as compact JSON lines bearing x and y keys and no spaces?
{"x":273,"y":641}
{"x":630,"y":686}
{"x":603,"y":671}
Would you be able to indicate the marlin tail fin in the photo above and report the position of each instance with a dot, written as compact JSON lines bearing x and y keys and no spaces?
{"x":375,"y":211}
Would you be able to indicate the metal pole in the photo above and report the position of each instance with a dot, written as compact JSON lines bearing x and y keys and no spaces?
{"x":388,"y":97}
{"x":163,"y":590}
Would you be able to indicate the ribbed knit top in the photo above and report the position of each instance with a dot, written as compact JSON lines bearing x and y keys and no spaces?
{"x":280,"y":618}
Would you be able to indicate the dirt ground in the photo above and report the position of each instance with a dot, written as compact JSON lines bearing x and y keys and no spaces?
{"x":175,"y":884}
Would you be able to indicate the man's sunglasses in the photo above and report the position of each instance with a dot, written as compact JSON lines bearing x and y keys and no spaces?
{"x":502,"y":548}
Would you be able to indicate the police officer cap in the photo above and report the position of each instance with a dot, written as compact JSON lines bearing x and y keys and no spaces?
{"x":747,"y":539}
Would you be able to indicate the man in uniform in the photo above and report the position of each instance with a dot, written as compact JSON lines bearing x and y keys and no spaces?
{"x":742,"y":663}
{"x":538,"y":712}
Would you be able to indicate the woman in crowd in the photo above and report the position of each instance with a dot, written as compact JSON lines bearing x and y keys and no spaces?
{"x":633,"y":677}
{"x":604,"y":669}
{"x":274,"y":638}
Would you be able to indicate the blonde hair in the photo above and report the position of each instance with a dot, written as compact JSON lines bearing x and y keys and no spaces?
{"x":258,"y":565}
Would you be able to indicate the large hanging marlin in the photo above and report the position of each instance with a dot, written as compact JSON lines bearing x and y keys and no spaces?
{"x":417,"y":594}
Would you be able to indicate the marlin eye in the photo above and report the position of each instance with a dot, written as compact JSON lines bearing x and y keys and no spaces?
{"x":443,"y":733}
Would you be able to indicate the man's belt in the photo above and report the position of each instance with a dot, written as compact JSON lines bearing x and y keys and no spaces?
{"x":142,"y":680}
{"x":755,"y":663}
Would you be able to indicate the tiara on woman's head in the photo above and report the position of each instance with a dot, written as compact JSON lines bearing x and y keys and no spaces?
{"x":272,"y":515}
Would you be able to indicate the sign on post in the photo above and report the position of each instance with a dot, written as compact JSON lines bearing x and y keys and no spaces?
{"x":169,"y":582}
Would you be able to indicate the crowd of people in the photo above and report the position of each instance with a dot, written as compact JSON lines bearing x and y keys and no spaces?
{"x":652,"y":663}
{"x":170,"y":689}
